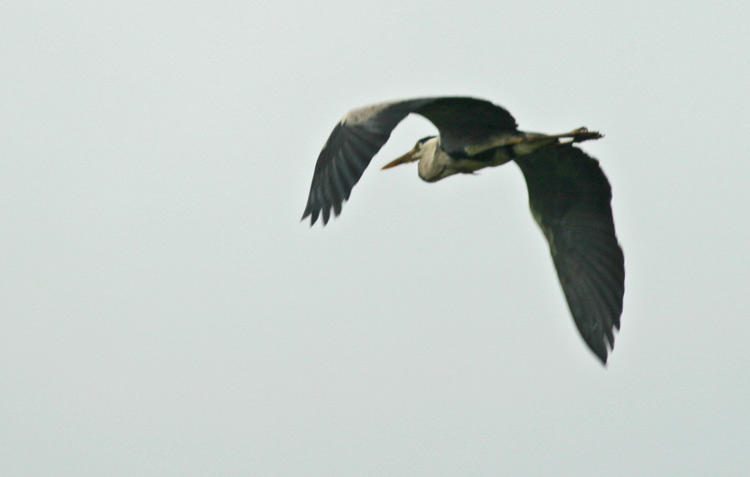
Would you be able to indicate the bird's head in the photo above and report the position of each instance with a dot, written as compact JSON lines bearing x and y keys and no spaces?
{"x":417,"y":152}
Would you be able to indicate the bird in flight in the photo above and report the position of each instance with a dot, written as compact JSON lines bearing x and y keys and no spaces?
{"x":569,"y":195}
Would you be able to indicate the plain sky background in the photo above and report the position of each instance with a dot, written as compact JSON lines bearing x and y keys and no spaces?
{"x":164,"y":311}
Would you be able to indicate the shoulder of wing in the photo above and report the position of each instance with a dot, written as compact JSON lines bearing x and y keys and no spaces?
{"x":389,"y":108}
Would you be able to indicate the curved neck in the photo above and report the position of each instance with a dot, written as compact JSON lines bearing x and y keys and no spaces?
{"x":433,"y":161}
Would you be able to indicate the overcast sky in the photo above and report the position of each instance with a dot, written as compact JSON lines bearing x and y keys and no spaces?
{"x":165,"y":312}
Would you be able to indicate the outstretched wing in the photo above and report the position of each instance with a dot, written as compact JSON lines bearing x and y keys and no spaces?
{"x":347,"y":153}
{"x":361,"y":133}
{"x":570,"y":199}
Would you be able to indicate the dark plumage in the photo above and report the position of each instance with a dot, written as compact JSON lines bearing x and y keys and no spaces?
{"x":570,"y":199}
{"x":569,"y":194}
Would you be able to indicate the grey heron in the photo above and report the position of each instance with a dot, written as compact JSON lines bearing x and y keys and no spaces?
{"x":569,"y":195}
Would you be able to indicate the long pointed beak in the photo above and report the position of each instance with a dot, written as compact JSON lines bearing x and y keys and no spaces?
{"x":408,"y":157}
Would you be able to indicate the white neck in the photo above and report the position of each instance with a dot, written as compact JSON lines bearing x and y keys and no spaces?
{"x":432,"y":161}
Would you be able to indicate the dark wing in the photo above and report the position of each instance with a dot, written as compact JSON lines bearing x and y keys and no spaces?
{"x":570,"y":200}
{"x":348,"y":151}
{"x":361,"y":133}
{"x":466,"y":121}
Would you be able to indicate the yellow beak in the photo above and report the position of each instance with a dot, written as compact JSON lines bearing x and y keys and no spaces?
{"x":408,"y":157}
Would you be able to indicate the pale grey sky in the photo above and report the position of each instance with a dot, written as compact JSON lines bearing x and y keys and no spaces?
{"x":164,"y":312}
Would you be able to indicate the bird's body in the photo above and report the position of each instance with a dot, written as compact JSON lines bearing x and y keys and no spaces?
{"x":435,"y":163}
{"x":569,"y":195}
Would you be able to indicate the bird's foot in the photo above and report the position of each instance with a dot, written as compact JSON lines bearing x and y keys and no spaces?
{"x":583,"y":134}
